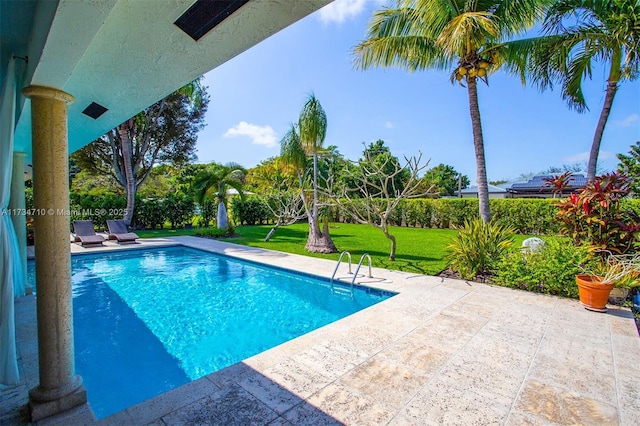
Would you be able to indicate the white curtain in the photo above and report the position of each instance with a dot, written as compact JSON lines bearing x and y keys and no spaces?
{"x":11,"y":276}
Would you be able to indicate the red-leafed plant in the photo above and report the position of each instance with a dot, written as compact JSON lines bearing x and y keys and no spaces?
{"x":595,"y":216}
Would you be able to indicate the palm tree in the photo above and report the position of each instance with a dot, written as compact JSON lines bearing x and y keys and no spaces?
{"x":296,"y":146}
{"x":577,"y":34}
{"x":440,"y":34}
{"x":214,"y":182}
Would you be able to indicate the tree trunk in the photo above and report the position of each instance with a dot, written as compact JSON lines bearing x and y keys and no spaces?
{"x":127,"y":158}
{"x":478,"y":144}
{"x":612,"y":89}
{"x":273,"y":231}
{"x":223,"y":220}
{"x":319,"y":242}
{"x":392,"y":254}
{"x":314,"y":208}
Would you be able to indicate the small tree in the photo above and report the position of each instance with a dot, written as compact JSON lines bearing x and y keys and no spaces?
{"x":375,"y":196}
{"x":165,"y":132}
{"x":214,"y":182}
{"x":299,"y":143}
{"x":445,"y":179}
{"x":287,"y":207}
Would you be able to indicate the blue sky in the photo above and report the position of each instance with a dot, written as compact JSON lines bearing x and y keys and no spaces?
{"x":256,"y":95}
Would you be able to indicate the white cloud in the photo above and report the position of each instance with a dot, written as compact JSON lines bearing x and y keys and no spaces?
{"x":583,"y":157}
{"x":576,"y":158}
{"x":341,"y":10}
{"x":260,"y":135}
{"x":630,"y":120}
{"x":388,"y":125}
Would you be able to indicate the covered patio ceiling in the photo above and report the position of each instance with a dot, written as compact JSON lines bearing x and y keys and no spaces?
{"x":124,"y":54}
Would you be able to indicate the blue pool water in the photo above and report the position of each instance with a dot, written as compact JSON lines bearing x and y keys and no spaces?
{"x":148,"y":321}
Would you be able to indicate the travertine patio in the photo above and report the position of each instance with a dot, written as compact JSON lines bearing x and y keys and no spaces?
{"x":440,"y":352}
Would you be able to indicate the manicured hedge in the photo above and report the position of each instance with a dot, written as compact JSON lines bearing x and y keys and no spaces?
{"x":531,"y":216}
{"x":526,"y":216}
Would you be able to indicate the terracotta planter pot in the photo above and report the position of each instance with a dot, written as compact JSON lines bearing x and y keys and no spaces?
{"x":593,"y":293}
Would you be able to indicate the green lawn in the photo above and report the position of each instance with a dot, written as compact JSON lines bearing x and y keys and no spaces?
{"x":166,"y":232}
{"x":418,"y":250}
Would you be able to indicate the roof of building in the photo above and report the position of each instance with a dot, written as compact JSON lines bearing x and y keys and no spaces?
{"x":473,"y":189}
{"x":540,"y":184}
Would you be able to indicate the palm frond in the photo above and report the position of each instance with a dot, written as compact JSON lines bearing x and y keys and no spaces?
{"x":312,"y":124}
{"x":292,"y":151}
{"x":467,"y":33}
{"x":396,"y":39}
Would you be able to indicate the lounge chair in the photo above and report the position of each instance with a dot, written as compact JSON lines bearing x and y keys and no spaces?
{"x":84,"y":233}
{"x":118,"y":231}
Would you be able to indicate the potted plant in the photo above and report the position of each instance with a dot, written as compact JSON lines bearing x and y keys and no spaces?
{"x":595,"y":286}
{"x":596,"y":217}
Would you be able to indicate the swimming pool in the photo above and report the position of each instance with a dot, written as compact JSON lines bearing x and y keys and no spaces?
{"x":147,"y":321}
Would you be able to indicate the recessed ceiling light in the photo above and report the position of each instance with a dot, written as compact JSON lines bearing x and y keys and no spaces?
{"x":94,"y":110}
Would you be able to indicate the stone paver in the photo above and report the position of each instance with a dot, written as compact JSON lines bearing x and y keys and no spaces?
{"x":442,"y":351}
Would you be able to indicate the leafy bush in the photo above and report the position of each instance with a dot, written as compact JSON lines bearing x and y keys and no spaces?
{"x":216,"y":232}
{"x":441,"y":214}
{"x":551,"y":270}
{"x":477,"y":247}
{"x":526,"y":215}
{"x":178,"y":209}
{"x":597,"y":217}
{"x":208,"y":211}
{"x":418,"y":212}
{"x":97,"y":208}
{"x":150,"y":213}
{"x":250,"y":211}
{"x":462,"y":210}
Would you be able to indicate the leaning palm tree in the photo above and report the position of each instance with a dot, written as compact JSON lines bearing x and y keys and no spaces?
{"x":299,"y":143}
{"x":214,"y":182}
{"x":440,"y":34}
{"x":577,"y":34}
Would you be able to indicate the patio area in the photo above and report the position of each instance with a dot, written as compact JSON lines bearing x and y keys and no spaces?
{"x":442,"y":351}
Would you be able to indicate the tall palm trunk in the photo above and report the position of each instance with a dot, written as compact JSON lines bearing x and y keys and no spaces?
{"x":222,"y":216}
{"x":612,"y":89}
{"x":314,"y":208}
{"x":318,"y":241}
{"x":478,"y":144}
{"x":130,"y":178}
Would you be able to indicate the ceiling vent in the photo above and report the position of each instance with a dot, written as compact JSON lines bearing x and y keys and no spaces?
{"x":204,"y":15}
{"x":94,"y":110}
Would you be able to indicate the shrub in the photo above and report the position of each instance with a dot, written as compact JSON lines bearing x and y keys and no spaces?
{"x":462,"y":210}
{"x":250,"y":211}
{"x":178,"y":209}
{"x":97,"y":208}
{"x":477,"y":247}
{"x":418,"y":212}
{"x":216,"y":232}
{"x":596,"y":216}
{"x":208,"y":211}
{"x":150,"y":213}
{"x":526,"y":215}
{"x":441,"y":214}
{"x":551,"y":270}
